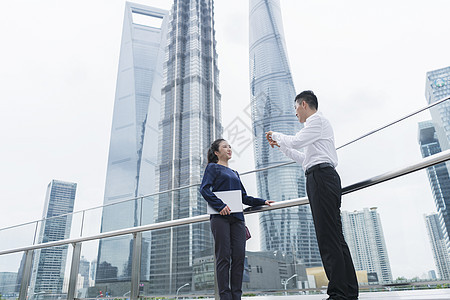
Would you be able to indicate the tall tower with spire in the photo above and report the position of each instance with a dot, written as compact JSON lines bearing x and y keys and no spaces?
{"x":272,"y":101}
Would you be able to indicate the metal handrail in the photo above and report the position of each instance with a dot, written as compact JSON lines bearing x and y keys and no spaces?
{"x":361,"y":137}
{"x":424,"y":163}
{"x":243,"y":173}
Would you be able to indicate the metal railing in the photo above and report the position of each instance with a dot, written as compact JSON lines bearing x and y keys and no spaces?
{"x":242,"y":174}
{"x":137,"y":231}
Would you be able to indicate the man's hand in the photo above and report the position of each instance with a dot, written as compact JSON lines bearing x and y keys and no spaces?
{"x":270,"y":140}
{"x":269,"y":202}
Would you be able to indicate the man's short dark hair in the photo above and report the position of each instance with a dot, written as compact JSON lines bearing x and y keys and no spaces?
{"x":309,"y":98}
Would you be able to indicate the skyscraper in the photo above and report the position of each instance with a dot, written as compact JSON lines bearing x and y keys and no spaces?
{"x":364,"y":235}
{"x":132,"y":155}
{"x":190,"y":122}
{"x":83,"y":270}
{"x":438,"y":245}
{"x":49,"y":264}
{"x":438,"y":87}
{"x":7,"y":283}
{"x":272,"y":101}
{"x":438,"y":175}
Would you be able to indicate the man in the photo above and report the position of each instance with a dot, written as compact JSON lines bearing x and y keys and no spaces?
{"x":323,"y":186}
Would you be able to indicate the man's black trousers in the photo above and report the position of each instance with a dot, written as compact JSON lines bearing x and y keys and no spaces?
{"x":323,"y":186}
{"x":229,"y":238}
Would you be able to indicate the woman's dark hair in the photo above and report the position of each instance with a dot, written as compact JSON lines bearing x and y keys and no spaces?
{"x":212,"y":157}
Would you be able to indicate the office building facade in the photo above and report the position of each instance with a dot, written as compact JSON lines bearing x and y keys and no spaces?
{"x":83,"y":270}
{"x":49,"y":264}
{"x":438,"y":87}
{"x":272,"y":107}
{"x":190,"y":122}
{"x":8,"y":284}
{"x":132,"y":154}
{"x":438,"y":175}
{"x":364,"y":235}
{"x":438,"y":245}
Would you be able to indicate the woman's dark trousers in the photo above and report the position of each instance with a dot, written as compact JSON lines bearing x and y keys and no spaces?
{"x":229,"y":237}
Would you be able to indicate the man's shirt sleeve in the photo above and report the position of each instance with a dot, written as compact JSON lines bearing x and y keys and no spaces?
{"x":306,"y":136}
{"x":293,"y":154}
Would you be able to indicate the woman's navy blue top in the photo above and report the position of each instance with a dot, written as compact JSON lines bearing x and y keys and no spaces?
{"x":218,"y":178}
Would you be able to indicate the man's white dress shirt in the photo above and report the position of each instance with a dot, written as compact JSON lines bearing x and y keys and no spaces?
{"x":317,"y":139}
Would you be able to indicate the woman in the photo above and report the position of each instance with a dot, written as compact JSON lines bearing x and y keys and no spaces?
{"x":228,"y":228}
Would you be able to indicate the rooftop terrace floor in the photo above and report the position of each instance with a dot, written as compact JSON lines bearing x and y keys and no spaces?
{"x":393,"y":295}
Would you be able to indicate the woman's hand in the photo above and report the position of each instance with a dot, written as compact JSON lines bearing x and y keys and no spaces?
{"x":269,"y":202}
{"x":225,"y":211}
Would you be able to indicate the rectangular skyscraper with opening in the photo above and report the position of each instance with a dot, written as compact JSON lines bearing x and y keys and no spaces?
{"x":132,"y":154}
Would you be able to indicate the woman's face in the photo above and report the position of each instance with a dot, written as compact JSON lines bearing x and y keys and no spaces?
{"x":224,"y":153}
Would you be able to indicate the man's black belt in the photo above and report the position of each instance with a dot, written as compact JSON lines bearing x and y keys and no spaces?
{"x":318,"y":166}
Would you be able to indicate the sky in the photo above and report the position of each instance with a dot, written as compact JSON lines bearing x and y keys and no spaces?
{"x":366,"y":62}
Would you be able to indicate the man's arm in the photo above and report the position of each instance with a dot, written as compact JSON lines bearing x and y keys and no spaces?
{"x":293,"y":154}
{"x":306,"y":136}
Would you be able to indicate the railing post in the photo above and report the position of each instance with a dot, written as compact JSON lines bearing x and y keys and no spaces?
{"x":26,"y":275}
{"x":82,"y":223}
{"x":136,"y":265}
{"x":35,"y":232}
{"x":74,"y":271}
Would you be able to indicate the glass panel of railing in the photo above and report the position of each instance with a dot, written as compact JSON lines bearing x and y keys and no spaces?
{"x":10,"y":268}
{"x":18,"y":236}
{"x":285,"y":248}
{"x":393,"y":147}
{"x":405,"y":202}
{"x":87,"y":271}
{"x":178,"y":261}
{"x":50,"y":274}
{"x":120,"y":215}
{"x":173,"y":205}
{"x":396,"y":232}
{"x":149,"y":208}
{"x":92,"y":219}
{"x":76,"y":221}
{"x":110,"y":266}
{"x":58,"y":228}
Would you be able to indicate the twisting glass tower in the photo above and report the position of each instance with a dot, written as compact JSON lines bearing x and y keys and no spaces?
{"x":190,"y":121}
{"x":272,"y":100}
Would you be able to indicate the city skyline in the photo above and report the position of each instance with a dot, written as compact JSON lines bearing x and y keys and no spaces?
{"x":381,"y":77}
